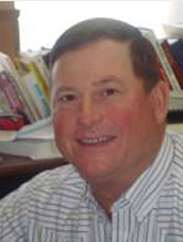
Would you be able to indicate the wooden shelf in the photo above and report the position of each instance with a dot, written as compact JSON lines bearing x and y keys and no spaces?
{"x":15,"y":170}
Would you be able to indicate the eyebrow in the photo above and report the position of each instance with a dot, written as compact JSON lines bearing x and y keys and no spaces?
{"x":64,"y":89}
{"x":110,"y":79}
{"x":61,"y":90}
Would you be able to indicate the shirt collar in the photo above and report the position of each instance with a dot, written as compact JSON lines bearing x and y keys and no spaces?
{"x":144,"y":193}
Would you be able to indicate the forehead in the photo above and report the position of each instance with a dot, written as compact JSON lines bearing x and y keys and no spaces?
{"x":95,"y":51}
{"x":93,"y":62}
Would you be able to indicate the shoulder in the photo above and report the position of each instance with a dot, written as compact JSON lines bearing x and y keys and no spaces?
{"x":177,"y":140}
{"x":46,"y":186}
{"x":176,"y":178}
{"x":170,"y":203}
{"x":50,"y":180}
{"x":56,"y":183}
{"x":44,"y":200}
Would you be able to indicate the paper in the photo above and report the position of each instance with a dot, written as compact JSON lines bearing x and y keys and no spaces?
{"x":178,"y":128}
{"x":174,"y":30}
{"x":40,"y":130}
{"x":7,"y":135}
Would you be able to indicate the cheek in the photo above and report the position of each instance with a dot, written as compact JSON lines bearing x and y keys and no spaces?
{"x":62,"y":123}
{"x":131,"y":113}
{"x":121,"y":117}
{"x":130,"y":121}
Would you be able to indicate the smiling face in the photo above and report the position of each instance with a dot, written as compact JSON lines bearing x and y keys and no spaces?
{"x":104,"y":121}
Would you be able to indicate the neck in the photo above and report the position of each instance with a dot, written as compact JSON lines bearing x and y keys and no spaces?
{"x":108,"y":191}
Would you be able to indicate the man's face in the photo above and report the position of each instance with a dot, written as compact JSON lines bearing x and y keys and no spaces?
{"x":104,"y":121}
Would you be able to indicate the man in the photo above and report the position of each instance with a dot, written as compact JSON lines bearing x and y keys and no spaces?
{"x":124,"y":181}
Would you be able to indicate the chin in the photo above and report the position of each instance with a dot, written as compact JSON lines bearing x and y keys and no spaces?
{"x":90,"y":172}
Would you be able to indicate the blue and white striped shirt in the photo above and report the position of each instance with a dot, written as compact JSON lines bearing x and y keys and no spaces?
{"x":57,"y":206}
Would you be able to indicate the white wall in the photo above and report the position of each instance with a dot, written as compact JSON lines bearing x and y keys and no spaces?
{"x":41,"y":22}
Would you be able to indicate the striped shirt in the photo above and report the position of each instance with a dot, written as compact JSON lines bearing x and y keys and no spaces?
{"x":57,"y":206}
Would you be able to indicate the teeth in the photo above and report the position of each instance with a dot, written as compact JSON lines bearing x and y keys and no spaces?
{"x":95,"y":141}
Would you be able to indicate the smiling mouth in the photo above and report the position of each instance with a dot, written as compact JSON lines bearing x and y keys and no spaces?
{"x":96,"y":141}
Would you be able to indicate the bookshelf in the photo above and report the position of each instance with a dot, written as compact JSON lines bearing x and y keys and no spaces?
{"x":15,"y":170}
{"x":27,"y":76}
{"x":169,"y":64}
{"x":9,"y":44}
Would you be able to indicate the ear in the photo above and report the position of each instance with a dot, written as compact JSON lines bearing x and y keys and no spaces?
{"x":160,"y":100}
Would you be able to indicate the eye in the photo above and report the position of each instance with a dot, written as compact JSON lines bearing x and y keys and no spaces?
{"x":110,"y":91}
{"x":67,"y":98}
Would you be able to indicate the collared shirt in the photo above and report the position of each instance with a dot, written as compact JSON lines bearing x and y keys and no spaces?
{"x":58,"y":206}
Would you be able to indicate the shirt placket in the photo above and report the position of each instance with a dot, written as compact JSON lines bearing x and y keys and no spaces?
{"x":123,"y":222}
{"x":101,"y":228}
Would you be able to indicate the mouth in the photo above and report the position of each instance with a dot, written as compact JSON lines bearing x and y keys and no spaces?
{"x":102,"y":140}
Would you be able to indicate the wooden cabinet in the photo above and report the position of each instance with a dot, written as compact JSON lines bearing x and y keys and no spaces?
{"x":15,"y":170}
{"x":9,"y":29}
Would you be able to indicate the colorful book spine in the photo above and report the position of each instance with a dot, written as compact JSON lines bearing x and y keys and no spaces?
{"x":4,"y":103}
{"x":38,"y":60}
{"x":149,"y":34}
{"x":30,"y":98}
{"x":37,"y":93}
{"x":40,"y":80}
{"x":13,"y":97}
{"x":9,"y":67}
{"x":176,"y":46}
{"x":175,"y":66}
{"x":163,"y":74}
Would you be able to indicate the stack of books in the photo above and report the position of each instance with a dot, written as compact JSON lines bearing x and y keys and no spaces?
{"x":170,"y":53}
{"x":35,"y":141}
{"x":24,"y":86}
{"x":25,"y":125}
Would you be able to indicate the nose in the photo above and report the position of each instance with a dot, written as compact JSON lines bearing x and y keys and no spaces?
{"x":89,"y":112}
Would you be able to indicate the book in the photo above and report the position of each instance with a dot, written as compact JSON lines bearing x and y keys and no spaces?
{"x":9,"y":88}
{"x":174,"y":30}
{"x":34,"y":148}
{"x":9,"y":121}
{"x":41,"y":130}
{"x":175,"y":128}
{"x":8,"y":65}
{"x":4,"y":103}
{"x":38,"y":57}
{"x":35,"y":141}
{"x":33,"y":66}
{"x":176,"y":101}
{"x":30,"y":97}
{"x":7,"y":135}
{"x":175,"y":66}
{"x":31,"y":82}
{"x":149,"y":34}
{"x":163,"y":74}
{"x":176,"y":46}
